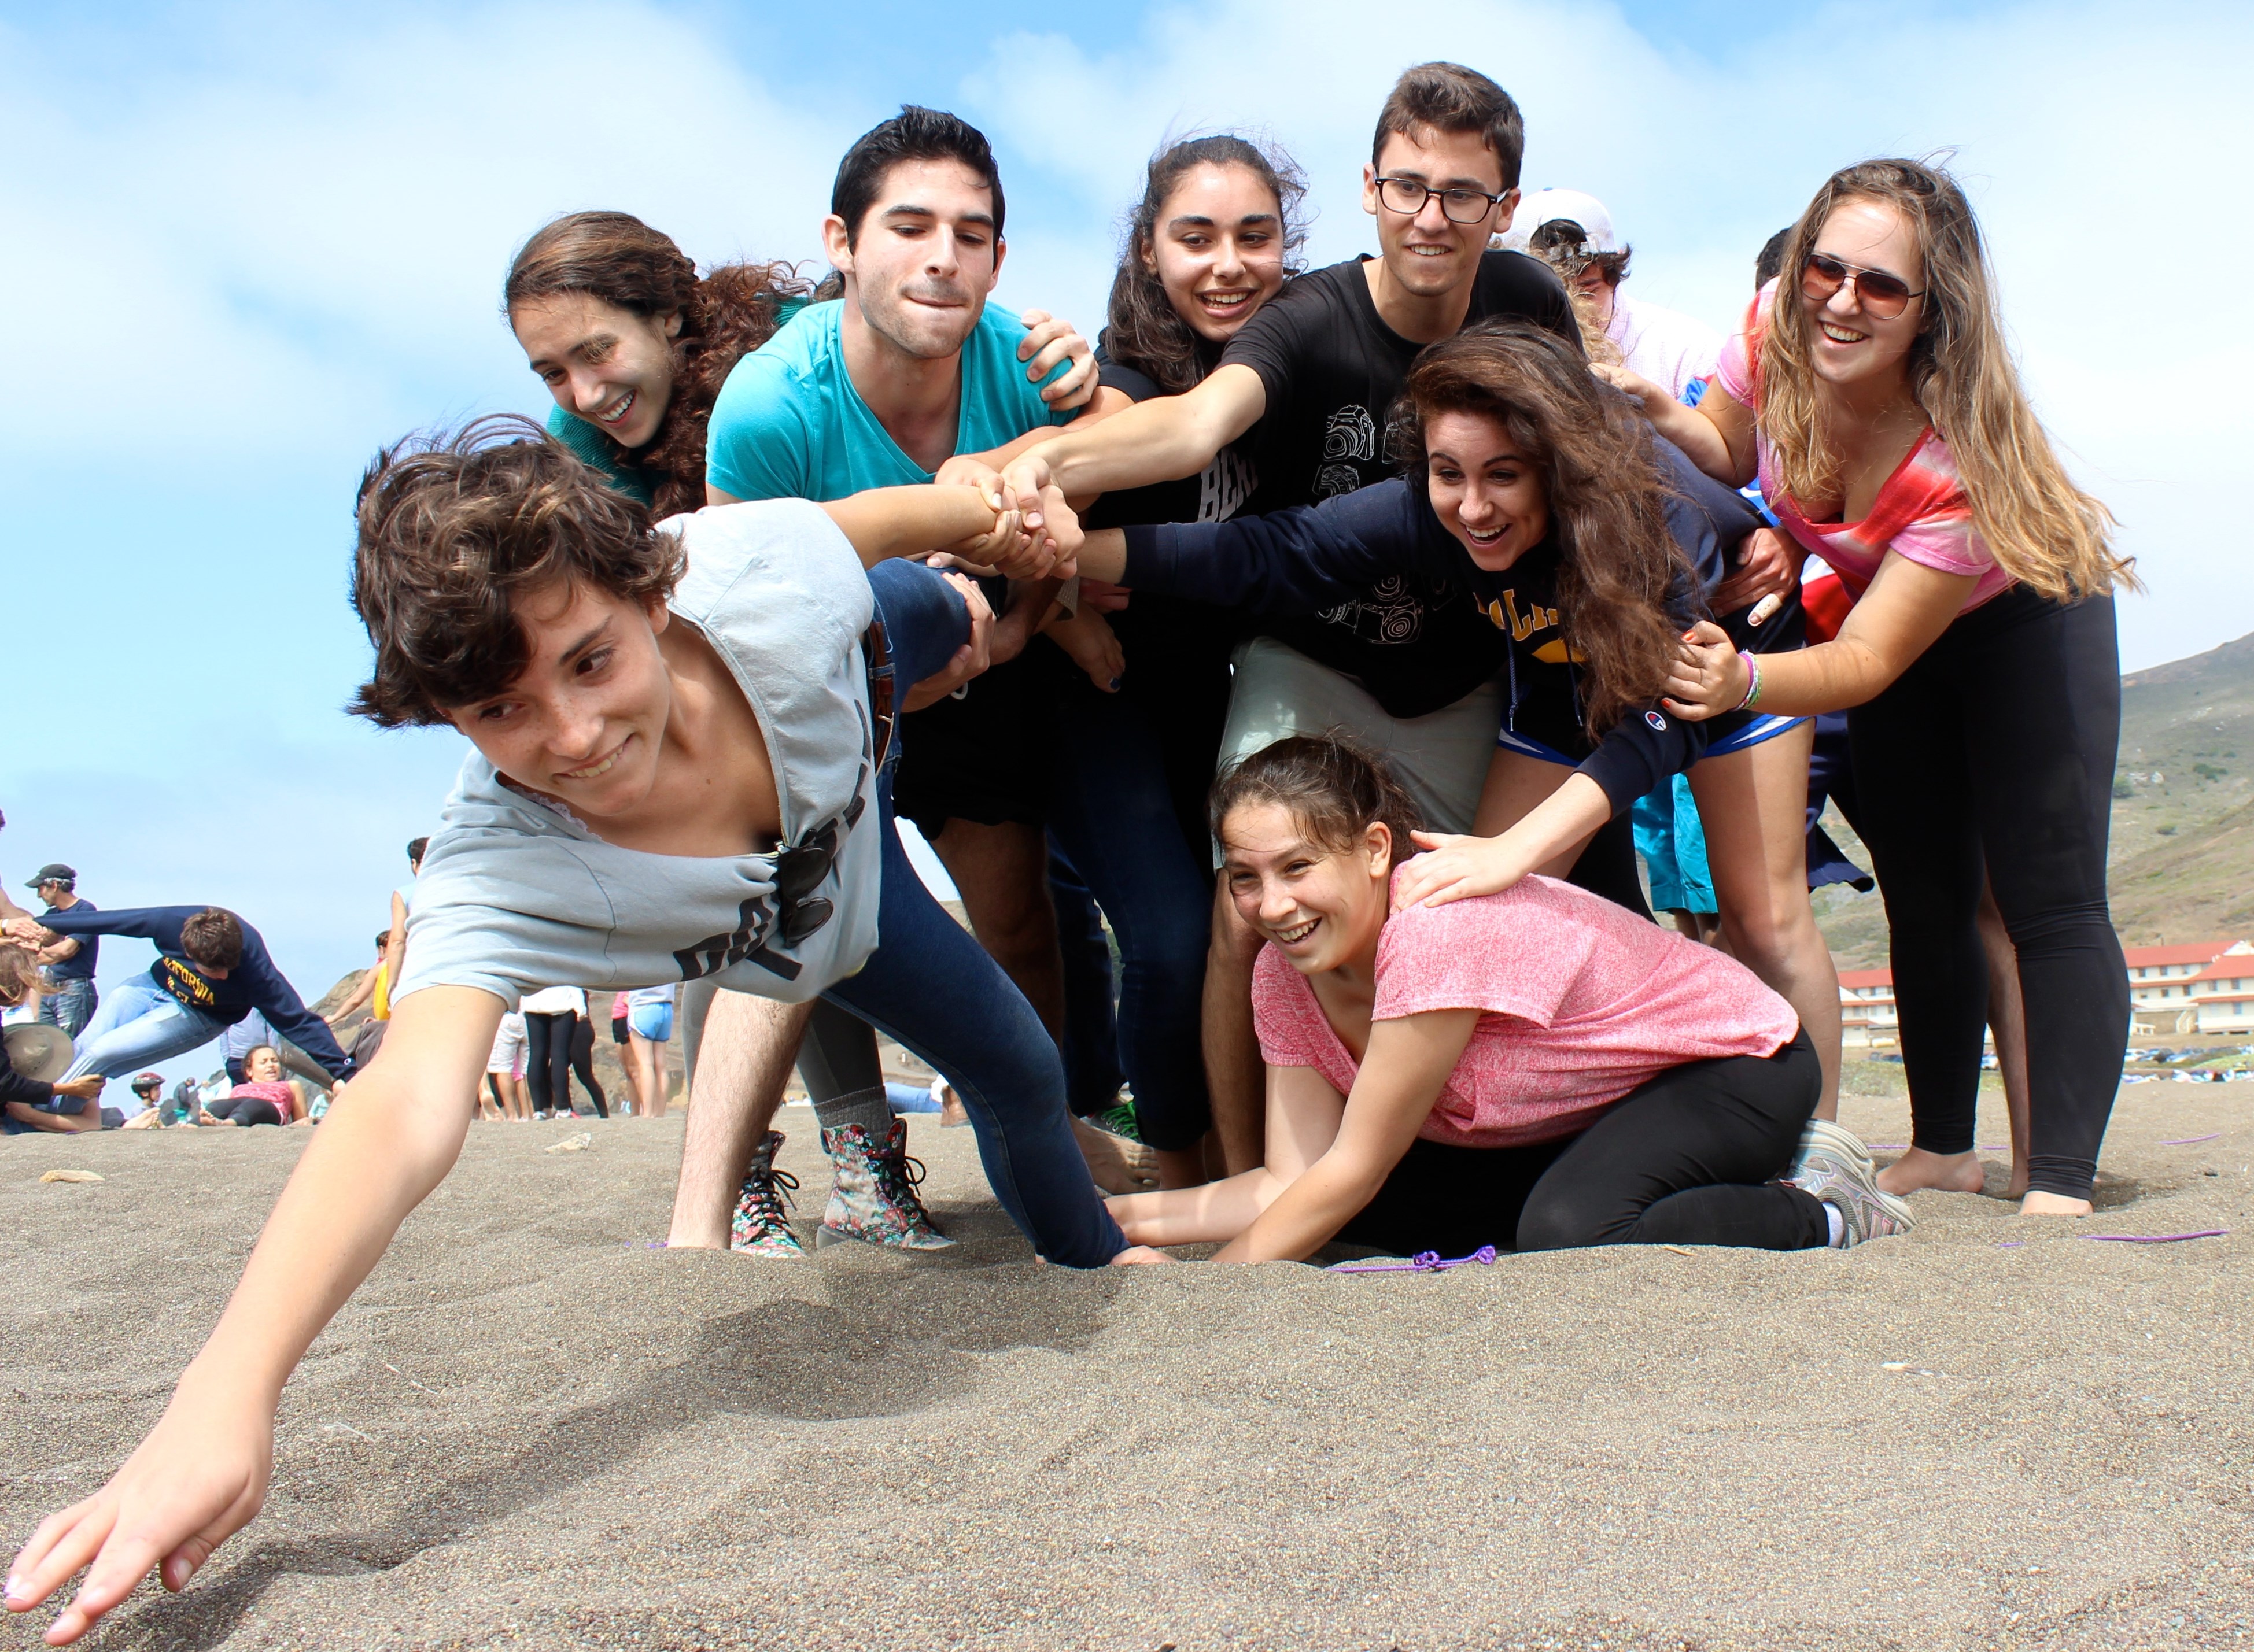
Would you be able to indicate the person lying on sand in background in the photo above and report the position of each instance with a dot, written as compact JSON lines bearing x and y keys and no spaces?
{"x":1533,"y":1069}
{"x":681,"y":735}
{"x":264,"y":1095}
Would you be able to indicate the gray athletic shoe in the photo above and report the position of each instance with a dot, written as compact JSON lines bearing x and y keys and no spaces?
{"x":1835,"y":1167}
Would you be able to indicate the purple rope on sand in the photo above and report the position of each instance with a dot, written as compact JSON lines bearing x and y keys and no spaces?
{"x":2193,"y":1141}
{"x":1903,"y":1147}
{"x":1422,"y":1262}
{"x":2158,"y":1238}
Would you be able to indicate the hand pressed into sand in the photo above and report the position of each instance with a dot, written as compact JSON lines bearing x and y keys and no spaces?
{"x":200,"y":1477}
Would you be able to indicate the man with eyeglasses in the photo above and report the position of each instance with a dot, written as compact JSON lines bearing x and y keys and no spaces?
{"x":1303,"y":388}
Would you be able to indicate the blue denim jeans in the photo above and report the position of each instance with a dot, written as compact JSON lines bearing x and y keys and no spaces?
{"x":138,"y":1026}
{"x":932,"y":988}
{"x":1111,"y":811}
{"x":71,"y":1005}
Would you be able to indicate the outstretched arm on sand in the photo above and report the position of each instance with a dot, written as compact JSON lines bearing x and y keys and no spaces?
{"x":1303,"y":1121}
{"x":201,"y":1475}
{"x":1406,"y":1063}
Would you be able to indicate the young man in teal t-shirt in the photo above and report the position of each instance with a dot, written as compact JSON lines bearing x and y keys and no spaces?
{"x":910,"y":369}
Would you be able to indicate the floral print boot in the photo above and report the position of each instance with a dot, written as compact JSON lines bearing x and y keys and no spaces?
{"x":762,"y":1224}
{"x":875,"y":1198}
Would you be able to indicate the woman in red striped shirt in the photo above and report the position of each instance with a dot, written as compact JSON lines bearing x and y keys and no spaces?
{"x":1872,"y":394}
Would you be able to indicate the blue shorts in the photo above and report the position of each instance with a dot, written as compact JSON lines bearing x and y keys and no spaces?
{"x":652,"y":1021}
{"x":1755,"y":729}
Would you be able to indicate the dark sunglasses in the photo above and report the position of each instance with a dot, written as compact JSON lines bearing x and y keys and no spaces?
{"x":1884,"y":296}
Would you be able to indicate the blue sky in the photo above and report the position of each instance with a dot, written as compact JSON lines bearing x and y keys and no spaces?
{"x":250,"y":243}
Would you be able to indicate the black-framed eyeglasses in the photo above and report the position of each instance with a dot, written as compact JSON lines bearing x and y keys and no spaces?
{"x":1884,"y":296}
{"x":1407,"y":196}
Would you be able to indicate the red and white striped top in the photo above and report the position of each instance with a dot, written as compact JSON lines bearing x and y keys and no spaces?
{"x":1921,"y":512}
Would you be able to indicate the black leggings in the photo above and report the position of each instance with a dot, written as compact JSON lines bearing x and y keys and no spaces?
{"x":246,"y":1110}
{"x":548,"y":1059}
{"x":1686,"y":1158}
{"x":583,"y":1063}
{"x":1993,"y":754}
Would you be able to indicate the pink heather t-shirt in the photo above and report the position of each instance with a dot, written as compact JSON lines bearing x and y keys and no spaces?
{"x":1582,"y":1000}
{"x":1921,"y":512}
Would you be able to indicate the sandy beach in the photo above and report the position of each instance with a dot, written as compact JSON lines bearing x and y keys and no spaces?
{"x":532,"y":1428}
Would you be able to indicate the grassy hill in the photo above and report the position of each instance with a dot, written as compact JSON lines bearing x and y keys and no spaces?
{"x":2183,"y":852}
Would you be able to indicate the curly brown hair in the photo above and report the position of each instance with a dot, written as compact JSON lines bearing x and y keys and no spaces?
{"x":1618,"y":562}
{"x":725,"y":315}
{"x":453,"y":530}
{"x":1143,"y":330}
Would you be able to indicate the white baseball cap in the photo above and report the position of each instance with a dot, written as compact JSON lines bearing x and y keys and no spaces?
{"x":1548,"y":206}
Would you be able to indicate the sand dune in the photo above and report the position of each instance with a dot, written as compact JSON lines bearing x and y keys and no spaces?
{"x":531,"y":1429}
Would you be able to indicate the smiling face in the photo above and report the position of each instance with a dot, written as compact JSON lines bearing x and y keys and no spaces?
{"x":612,"y":367}
{"x":924,"y":257}
{"x":586,"y":720}
{"x":1427,"y":253}
{"x":1321,"y":908}
{"x":262,"y":1066}
{"x":1484,"y":491}
{"x":1218,"y":248}
{"x":1847,"y":345}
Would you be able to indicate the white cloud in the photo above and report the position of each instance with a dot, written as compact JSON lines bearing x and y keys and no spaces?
{"x":306,"y":247}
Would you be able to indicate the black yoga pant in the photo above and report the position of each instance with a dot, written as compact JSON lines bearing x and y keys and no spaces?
{"x":583,"y":1063}
{"x":246,"y":1110}
{"x":548,"y":1059}
{"x":1993,"y":755}
{"x":839,"y":1058}
{"x":1687,"y":1158}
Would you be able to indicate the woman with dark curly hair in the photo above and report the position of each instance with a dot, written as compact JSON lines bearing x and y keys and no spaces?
{"x":1543,"y":498}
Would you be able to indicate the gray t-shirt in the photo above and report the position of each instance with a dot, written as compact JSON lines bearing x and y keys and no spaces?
{"x":516,"y":893}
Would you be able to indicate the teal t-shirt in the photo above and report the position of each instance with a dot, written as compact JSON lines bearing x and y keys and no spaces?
{"x":788,"y":423}
{"x":600,"y":453}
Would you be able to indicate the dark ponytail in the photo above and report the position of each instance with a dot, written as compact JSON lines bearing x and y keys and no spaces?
{"x":1335,"y":789}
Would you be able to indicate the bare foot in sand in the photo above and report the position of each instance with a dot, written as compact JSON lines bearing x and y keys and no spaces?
{"x":1138,"y":1256}
{"x":1917,"y":1170}
{"x":1108,"y":1159}
{"x":2038,"y":1203}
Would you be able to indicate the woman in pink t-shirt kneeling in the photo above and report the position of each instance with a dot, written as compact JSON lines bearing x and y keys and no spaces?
{"x":1535,"y":1070}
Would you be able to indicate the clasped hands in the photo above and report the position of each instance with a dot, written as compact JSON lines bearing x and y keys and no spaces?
{"x":27,"y":931}
{"x":1035,"y":534}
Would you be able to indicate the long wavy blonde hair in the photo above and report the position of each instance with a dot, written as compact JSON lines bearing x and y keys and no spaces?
{"x":2041,"y":529}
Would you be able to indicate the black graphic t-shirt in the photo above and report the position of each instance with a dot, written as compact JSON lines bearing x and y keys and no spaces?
{"x":1331,"y":368}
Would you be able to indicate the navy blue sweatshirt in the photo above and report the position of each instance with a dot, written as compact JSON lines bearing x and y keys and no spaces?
{"x":252,"y":984}
{"x":1311,"y":557}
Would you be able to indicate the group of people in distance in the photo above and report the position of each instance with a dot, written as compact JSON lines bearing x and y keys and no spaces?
{"x":1373,"y":585}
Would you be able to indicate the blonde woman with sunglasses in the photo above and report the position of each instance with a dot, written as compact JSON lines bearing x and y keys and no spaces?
{"x":1873,"y":395}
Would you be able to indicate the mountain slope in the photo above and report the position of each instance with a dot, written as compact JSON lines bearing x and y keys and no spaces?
{"x":2182,"y":851}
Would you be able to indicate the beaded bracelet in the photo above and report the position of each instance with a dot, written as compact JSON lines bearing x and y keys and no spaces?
{"x":1752,"y":690}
